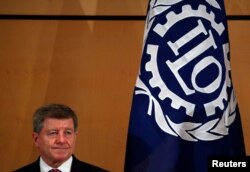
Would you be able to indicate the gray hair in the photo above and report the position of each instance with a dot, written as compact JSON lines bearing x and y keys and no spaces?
{"x":57,"y":111}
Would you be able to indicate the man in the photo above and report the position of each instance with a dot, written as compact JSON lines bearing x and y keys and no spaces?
{"x":54,"y":134}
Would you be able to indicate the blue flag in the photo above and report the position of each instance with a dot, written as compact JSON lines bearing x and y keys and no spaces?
{"x":184,"y":107}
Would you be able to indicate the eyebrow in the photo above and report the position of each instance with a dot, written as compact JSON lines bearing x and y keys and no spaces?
{"x":56,"y":129}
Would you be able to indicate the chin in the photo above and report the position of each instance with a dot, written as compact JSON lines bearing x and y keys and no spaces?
{"x":62,"y":156}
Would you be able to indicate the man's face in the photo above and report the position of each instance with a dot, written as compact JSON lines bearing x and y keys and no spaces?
{"x":56,"y":140}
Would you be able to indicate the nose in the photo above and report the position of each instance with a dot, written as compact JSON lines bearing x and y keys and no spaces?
{"x":61,"y":138}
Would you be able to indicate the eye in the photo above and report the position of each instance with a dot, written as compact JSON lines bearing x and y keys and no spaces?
{"x":52,"y":133}
{"x":68,"y":132}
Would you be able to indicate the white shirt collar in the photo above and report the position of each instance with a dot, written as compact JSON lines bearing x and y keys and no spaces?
{"x":65,"y":167}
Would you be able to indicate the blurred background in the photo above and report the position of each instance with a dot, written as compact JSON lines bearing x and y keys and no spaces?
{"x":90,"y":65}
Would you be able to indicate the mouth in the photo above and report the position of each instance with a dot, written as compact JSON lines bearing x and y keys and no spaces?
{"x":60,"y":148}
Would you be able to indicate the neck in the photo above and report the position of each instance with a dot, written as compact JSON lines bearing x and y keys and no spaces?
{"x":53,"y":164}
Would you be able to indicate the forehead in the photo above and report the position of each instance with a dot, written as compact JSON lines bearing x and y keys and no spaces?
{"x":53,"y":123}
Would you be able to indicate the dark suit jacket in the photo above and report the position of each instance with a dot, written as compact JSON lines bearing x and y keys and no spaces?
{"x":77,"y":166}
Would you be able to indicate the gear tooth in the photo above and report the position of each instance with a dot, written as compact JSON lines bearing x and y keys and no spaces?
{"x":175,"y":105}
{"x":153,"y":82}
{"x":202,"y":8}
{"x":162,"y":97}
{"x":212,"y":15}
{"x":170,"y":15}
{"x":186,"y":8}
{"x":147,"y":67}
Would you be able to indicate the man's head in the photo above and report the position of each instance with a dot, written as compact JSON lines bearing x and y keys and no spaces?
{"x":54,"y":132}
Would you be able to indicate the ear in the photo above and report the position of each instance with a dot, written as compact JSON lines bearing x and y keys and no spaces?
{"x":35,"y":138}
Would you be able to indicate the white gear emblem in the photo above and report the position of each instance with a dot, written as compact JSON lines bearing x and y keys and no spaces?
{"x":190,"y":131}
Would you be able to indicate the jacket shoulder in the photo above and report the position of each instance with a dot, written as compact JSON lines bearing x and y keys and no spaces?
{"x":81,"y":166}
{"x":34,"y":166}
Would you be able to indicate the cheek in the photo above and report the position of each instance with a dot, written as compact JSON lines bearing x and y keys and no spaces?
{"x":43,"y":143}
{"x":73,"y":141}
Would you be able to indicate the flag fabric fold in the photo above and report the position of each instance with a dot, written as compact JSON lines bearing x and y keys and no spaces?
{"x":184,"y":106}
